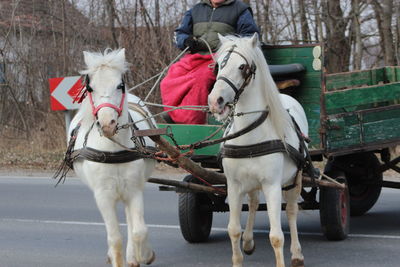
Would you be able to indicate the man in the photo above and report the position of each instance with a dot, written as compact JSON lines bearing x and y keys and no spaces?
{"x":188,"y":81}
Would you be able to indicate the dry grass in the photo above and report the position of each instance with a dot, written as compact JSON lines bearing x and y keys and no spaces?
{"x":42,"y":149}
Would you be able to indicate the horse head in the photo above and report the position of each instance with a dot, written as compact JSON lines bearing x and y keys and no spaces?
{"x":235,"y":72}
{"x":106,"y":88}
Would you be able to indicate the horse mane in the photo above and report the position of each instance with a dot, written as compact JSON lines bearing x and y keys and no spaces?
{"x":107,"y":59}
{"x":280,"y":118}
{"x":96,"y":61}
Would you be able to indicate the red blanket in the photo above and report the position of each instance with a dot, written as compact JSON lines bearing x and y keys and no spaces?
{"x":188,"y":83}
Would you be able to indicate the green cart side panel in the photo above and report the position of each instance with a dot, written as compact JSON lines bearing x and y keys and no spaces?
{"x":339,"y":81}
{"x":362,"y":98}
{"x":362,"y":129}
{"x":393,"y":74}
{"x":186,"y":134}
{"x":309,"y":91}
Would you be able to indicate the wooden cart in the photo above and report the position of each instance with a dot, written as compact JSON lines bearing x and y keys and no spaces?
{"x":354,"y":118}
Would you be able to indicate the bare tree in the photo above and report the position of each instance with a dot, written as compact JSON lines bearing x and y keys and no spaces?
{"x":384,"y":13}
{"x":305,"y":32}
{"x":337,"y":43}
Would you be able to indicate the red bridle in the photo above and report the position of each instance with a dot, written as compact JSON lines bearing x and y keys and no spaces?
{"x":95,"y":109}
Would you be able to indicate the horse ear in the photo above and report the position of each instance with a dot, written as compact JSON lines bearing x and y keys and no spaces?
{"x":121,"y":54}
{"x":254,"y":40}
{"x":87,"y":57}
{"x":222,"y":38}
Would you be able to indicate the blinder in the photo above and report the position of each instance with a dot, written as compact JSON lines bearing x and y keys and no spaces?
{"x":87,"y":84}
{"x":247,"y":70}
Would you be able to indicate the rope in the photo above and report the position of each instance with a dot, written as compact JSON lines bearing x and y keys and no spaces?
{"x":163,"y":71}
{"x":140,"y":84}
{"x":209,"y":49}
{"x":159,"y":75}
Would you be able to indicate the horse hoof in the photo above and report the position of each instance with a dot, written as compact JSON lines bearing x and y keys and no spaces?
{"x":153,"y":257}
{"x":108,"y":260}
{"x":250,"y":251}
{"x":297,"y":263}
{"x":133,"y":265}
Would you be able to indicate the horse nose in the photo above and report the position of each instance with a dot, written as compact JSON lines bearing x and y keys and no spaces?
{"x":112,"y":122}
{"x":220,"y":100}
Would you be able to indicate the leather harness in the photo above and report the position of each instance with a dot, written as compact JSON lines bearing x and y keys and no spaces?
{"x":267,"y":147}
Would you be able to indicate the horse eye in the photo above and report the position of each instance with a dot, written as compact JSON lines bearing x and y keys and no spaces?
{"x":241,"y":67}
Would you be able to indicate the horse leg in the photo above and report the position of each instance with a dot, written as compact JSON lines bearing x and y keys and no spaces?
{"x":248,"y":240}
{"x":106,"y":205}
{"x":235,"y":198}
{"x":292,"y":208}
{"x":142,"y":251}
{"x":273,"y":196}
{"x":130,"y":257}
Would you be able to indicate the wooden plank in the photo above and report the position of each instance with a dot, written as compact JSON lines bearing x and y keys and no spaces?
{"x":364,"y":128}
{"x":355,"y":79}
{"x":371,"y":77}
{"x":382,"y":130}
{"x":392,"y":73}
{"x":289,"y":52}
{"x":351,"y":98}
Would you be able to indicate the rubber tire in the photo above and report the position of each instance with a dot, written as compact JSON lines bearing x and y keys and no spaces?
{"x":334,"y":209}
{"x":364,"y":196}
{"x":195,"y":222}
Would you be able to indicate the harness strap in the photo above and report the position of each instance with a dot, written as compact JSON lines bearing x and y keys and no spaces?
{"x":245,"y":130}
{"x":123,"y":156}
{"x":261,"y":149}
{"x":229,"y":83}
{"x":265,"y":148}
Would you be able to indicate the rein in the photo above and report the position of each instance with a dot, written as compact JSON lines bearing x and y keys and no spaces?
{"x":250,"y":127}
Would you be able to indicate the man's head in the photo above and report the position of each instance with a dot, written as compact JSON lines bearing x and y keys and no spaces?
{"x":217,"y":3}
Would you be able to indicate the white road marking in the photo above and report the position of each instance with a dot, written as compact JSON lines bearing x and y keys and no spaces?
{"x":176,"y":227}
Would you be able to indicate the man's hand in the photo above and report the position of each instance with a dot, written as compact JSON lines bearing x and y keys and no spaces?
{"x":193,"y":44}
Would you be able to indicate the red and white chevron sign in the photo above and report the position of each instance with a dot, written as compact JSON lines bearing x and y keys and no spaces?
{"x":63,"y":91}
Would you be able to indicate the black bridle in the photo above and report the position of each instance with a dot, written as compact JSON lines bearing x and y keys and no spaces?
{"x":248,"y":71}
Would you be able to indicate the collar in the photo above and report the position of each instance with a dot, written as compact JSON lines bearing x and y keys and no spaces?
{"x":208,"y":2}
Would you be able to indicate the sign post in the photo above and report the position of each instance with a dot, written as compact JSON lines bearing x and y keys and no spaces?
{"x":62,"y":94}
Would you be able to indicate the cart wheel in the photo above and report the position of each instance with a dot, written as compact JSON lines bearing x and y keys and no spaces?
{"x":365,"y":182}
{"x":334,"y":209}
{"x":195,"y":214}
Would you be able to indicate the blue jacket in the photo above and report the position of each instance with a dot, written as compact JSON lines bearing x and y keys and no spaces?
{"x":244,"y":23}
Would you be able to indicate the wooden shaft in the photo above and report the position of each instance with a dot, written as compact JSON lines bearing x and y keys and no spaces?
{"x":187,"y":185}
{"x":187,"y":164}
{"x":307,"y":181}
{"x":215,"y":177}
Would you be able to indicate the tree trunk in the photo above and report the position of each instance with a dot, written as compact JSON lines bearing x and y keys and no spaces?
{"x":266,"y":24}
{"x":318,"y":22}
{"x":397,"y":47}
{"x":305,"y":31}
{"x":294,"y":23}
{"x":112,"y":16}
{"x":338,"y":45}
{"x":357,"y":55}
{"x":384,"y":14}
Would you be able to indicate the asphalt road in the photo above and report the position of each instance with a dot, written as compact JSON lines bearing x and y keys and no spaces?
{"x":45,"y":226}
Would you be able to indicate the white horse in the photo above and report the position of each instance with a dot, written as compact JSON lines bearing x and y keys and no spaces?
{"x":105,"y":107}
{"x":241,"y":59}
